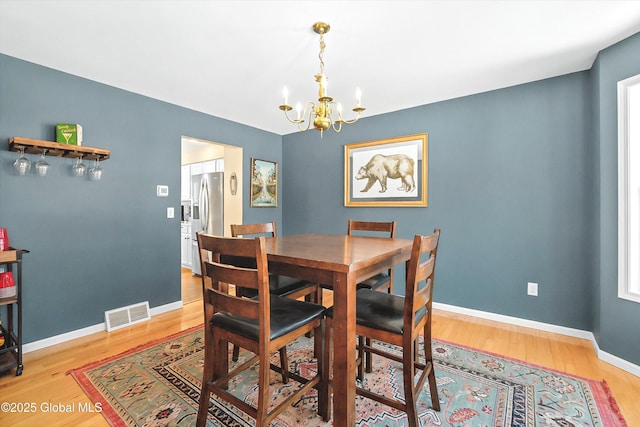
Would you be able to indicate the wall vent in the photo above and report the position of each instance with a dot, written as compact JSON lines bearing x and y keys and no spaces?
{"x":125,"y":316}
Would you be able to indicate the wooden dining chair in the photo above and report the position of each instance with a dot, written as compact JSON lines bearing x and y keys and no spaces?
{"x":399,"y":320}
{"x":262,"y":325}
{"x":278,"y":285}
{"x":381,"y":281}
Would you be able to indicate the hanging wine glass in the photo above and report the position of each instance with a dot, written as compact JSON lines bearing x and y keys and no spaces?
{"x":42,"y":166}
{"x":22,"y":165}
{"x":95,"y":172}
{"x":78,"y":168}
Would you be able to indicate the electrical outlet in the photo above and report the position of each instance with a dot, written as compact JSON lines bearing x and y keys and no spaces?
{"x":532,"y":289}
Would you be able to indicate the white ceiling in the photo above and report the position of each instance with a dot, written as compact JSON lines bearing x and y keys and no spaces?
{"x":231,"y":58}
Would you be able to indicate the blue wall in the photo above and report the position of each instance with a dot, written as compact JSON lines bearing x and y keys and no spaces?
{"x":617,"y":330}
{"x":522,"y":182}
{"x":509,"y":185}
{"x":101,"y":245}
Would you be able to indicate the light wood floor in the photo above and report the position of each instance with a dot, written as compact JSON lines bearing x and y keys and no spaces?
{"x":191,"y":286}
{"x":45,"y":381}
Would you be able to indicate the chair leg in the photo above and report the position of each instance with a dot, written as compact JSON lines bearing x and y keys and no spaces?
{"x":310,"y":297}
{"x":326,"y":364}
{"x":408,"y":375}
{"x":322,"y":387}
{"x":361,"y":356}
{"x":318,"y":295}
{"x":367,"y":357}
{"x":315,"y":298}
{"x":284,"y":365}
{"x":236,"y":353}
{"x":433,"y":388}
{"x":263,"y":390}
{"x":220,"y":363}
{"x":318,"y":342}
{"x":203,"y":405}
{"x":428,"y":359}
{"x":212,"y":364}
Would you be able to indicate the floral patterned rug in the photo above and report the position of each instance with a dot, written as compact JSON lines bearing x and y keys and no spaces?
{"x":158,"y":384}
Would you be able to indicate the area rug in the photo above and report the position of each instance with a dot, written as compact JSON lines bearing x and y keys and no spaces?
{"x":158,"y":384}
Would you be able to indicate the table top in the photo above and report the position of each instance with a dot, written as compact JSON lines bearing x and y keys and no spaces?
{"x":335,"y":252}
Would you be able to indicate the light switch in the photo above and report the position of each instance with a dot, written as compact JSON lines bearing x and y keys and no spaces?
{"x":170,"y":213}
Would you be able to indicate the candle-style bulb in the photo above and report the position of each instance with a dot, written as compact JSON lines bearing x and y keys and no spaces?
{"x":323,"y":86}
{"x":299,"y":109}
{"x":285,"y":95}
{"x":358,"y":96}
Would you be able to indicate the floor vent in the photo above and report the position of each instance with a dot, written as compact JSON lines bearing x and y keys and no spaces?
{"x":125,"y":316}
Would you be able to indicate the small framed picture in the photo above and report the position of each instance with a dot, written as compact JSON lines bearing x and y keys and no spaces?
{"x":387,"y":172}
{"x":264,"y":183}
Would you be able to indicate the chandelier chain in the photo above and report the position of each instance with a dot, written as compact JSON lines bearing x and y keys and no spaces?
{"x":321,"y":54}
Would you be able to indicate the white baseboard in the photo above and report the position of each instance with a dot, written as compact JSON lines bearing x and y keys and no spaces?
{"x":562,"y":330}
{"x":78,"y":333}
{"x":577,"y":333}
{"x":619,"y":363}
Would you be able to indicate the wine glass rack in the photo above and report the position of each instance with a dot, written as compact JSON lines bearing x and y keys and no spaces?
{"x":56,"y":149}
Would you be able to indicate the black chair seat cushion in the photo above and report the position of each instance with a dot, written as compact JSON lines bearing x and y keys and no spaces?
{"x":286,"y":316}
{"x":374,"y":282}
{"x":380,"y":310}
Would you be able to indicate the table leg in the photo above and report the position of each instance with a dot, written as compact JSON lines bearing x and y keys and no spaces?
{"x":344,"y":350}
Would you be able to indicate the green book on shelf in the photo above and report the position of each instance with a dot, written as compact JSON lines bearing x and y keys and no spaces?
{"x":69,"y":133}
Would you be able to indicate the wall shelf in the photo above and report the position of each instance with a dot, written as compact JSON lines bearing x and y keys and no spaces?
{"x":55,"y":149}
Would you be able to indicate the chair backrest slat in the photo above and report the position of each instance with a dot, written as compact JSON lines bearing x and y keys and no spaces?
{"x":228,"y":303}
{"x":244,"y":230}
{"x":382,"y":227}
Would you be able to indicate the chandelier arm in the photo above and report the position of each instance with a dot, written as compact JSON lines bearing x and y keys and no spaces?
{"x":339,"y":126}
{"x":350,"y":122}
{"x":307,"y":112}
{"x":303,"y":128}
{"x":336,"y":125}
{"x":341,"y":120}
{"x":286,"y":114}
{"x":301,"y":116}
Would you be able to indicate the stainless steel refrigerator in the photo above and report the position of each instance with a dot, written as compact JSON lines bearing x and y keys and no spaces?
{"x":207,"y":209}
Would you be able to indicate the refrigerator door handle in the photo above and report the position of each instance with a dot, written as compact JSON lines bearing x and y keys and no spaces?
{"x":204,"y":204}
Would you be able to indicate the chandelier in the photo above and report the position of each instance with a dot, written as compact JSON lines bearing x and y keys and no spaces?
{"x":327,"y":113}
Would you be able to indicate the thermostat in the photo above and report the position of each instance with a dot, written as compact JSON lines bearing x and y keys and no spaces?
{"x":162,"y":191}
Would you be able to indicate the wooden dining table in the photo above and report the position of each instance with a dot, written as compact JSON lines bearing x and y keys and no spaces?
{"x":339,"y":262}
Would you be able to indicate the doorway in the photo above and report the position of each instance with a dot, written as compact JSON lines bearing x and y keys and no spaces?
{"x":201,"y":156}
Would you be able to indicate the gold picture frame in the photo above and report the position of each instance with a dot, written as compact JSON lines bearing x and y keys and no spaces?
{"x":387,"y":172}
{"x":264,"y":183}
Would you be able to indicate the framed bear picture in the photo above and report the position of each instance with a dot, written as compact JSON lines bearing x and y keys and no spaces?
{"x":387,"y":172}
